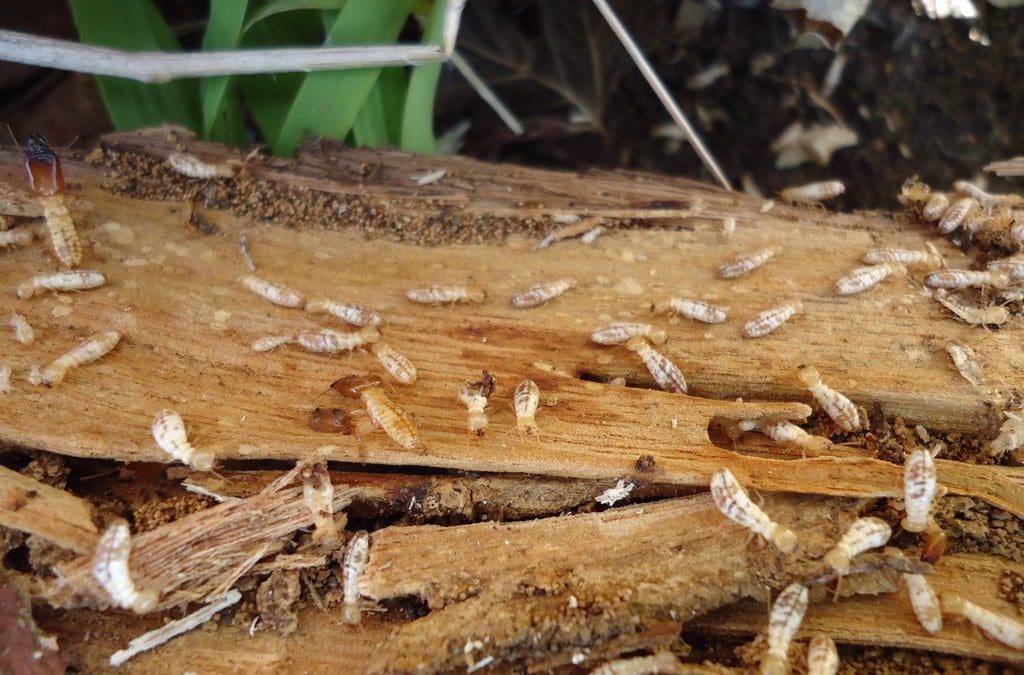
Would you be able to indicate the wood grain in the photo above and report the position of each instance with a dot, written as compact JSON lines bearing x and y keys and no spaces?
{"x":53,"y":514}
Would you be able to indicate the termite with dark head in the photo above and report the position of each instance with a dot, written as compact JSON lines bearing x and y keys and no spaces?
{"x":383,"y":412}
{"x":474,"y":396}
{"x":46,"y":179}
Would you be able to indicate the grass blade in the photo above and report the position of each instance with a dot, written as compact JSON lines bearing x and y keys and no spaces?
{"x":418,"y":115}
{"x":223,"y":118}
{"x":282,"y":6}
{"x":379,"y":121}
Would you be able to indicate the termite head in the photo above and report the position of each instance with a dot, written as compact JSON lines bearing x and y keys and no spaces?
{"x":935,"y":541}
{"x":808,"y":375}
{"x":774,"y":663}
{"x":370,"y":334}
{"x":202,"y":461}
{"x":45,"y":175}
{"x":784,"y":539}
{"x":330,"y":420}
{"x":353,"y":385}
{"x":951,"y":603}
{"x":658,"y":337}
{"x":145,"y":601}
{"x":913,"y":192}
{"x":635,"y":344}
{"x":476,"y":294}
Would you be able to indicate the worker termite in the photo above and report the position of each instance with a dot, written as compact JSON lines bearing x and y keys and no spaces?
{"x":271,"y":342}
{"x":1014,"y":267}
{"x":327,"y":341}
{"x":784,"y":431}
{"x":770,"y":319}
{"x":275,"y":293}
{"x":75,"y":280}
{"x":568,"y":230}
{"x":995,"y":315}
{"x":920,"y":486}
{"x":23,"y":332}
{"x":440,"y":295}
{"x":660,"y":662}
{"x":822,"y":656}
{"x":169,"y":433}
{"x":400,"y":367}
{"x":953,"y":217}
{"x":664,"y":372}
{"x":191,"y":166}
{"x":474,"y":396}
{"x":383,"y":412}
{"x":318,"y":495}
{"x":110,"y":569}
{"x":46,"y":178}
{"x":357,"y":554}
{"x":697,"y":310}
{"x":967,"y":361}
{"x":330,"y":421}
{"x":95,"y":348}
{"x":591,"y":235}
{"x":615,"y":494}
{"x":745,"y":264}
{"x":960,"y":279}
{"x":357,"y":315}
{"x":984,"y":198}
{"x":935,"y":207}
{"x":19,"y":237}
{"x":524,"y":403}
{"x":735,"y":504}
{"x":841,"y":409}
{"x":864,"y":534}
{"x":620,"y":332}
{"x":540,"y":293}
{"x":863,"y":278}
{"x":813,"y":192}
{"x":784,"y":621}
{"x":5,"y":379}
{"x":999,"y":627}
{"x":1011,"y":434}
{"x":924,"y":602}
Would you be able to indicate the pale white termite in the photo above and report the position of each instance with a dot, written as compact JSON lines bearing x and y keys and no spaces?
{"x":999,"y":627}
{"x":170,"y":434}
{"x":662,"y":662}
{"x":110,"y":569}
{"x":745,"y":264}
{"x":620,"y":332}
{"x":731,"y":499}
{"x":193,"y":167}
{"x":94,"y":348}
{"x":770,"y":319}
{"x":1012,"y":266}
{"x":439,"y":295}
{"x":1011,"y":434}
{"x":784,"y":431}
{"x":430,"y":177}
{"x":524,"y":402}
{"x":813,"y":192}
{"x":841,"y":409}
{"x":19,"y":237}
{"x":995,"y":315}
{"x":959,"y":279}
{"x":784,"y":621}
{"x":591,"y":235}
{"x":665,"y":373}
{"x":822,"y":656}
{"x":5,"y":379}
{"x":570,"y":229}
{"x":327,"y":341}
{"x":935,"y":207}
{"x":271,"y":342}
{"x":23,"y":332}
{"x":864,"y":534}
{"x":985,"y":198}
{"x":697,"y":310}
{"x":74,"y":280}
{"x":357,"y":554}
{"x":540,"y":293}
{"x":729,"y":226}
{"x":924,"y":602}
{"x":474,"y":396}
{"x":318,"y":496}
{"x":953,"y":217}
{"x":967,"y":361}
{"x":400,"y":367}
{"x":271,"y":292}
{"x":357,"y":315}
{"x":1017,"y":231}
{"x":46,"y":178}
{"x":920,"y":485}
{"x":863,"y":278}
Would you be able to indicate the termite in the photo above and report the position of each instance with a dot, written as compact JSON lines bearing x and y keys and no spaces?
{"x":995,"y":315}
{"x":591,"y":235}
{"x":660,"y":662}
{"x":999,"y":627}
{"x":110,"y":569}
{"x":524,"y":403}
{"x":400,"y":367}
{"x":357,"y":315}
{"x":784,"y":431}
{"x":920,"y":485}
{"x":46,"y":179}
{"x":914,"y":193}
{"x":935,"y":207}
{"x":327,"y":341}
{"x":193,"y":167}
{"x":841,"y":409}
{"x":615,"y":494}
{"x":693,"y":309}
{"x":665,"y":373}
{"x":440,"y":295}
{"x":330,"y":421}
{"x":318,"y":495}
{"x":383,"y":412}
{"x":540,"y":293}
{"x":5,"y":379}
{"x":822,"y":656}
{"x":1011,"y":434}
{"x":745,"y":264}
{"x":169,"y":433}
{"x":863,"y":278}
{"x":620,"y":332}
{"x":568,"y":230}
{"x":23,"y":332}
{"x":474,"y":396}
{"x":735,"y":504}
{"x":784,"y":621}
{"x":984,"y":198}
{"x":770,"y":319}
{"x":953,"y":217}
{"x":924,"y":602}
{"x":967,"y":361}
{"x":357,"y":554}
{"x":1014,"y":267}
{"x":271,"y":342}
{"x":935,"y":542}
{"x":960,"y":279}
{"x":813,"y":192}
{"x":19,"y":237}
{"x":74,"y":280}
{"x":864,"y":534}
{"x":275,"y":293}
{"x":95,"y":348}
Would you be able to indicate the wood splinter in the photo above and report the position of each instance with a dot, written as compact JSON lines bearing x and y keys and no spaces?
{"x":474,"y":396}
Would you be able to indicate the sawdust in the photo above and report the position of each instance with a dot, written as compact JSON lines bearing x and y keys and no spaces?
{"x":1011,"y":588}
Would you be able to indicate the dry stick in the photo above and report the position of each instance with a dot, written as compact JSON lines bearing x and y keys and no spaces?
{"x":486,"y":93}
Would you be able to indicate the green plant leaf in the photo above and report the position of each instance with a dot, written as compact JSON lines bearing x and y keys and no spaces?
{"x":280,"y":6}
{"x":418,"y":115}
{"x":223,"y":118}
{"x":136,"y":26}
{"x":370,"y":130}
{"x":379,"y":121}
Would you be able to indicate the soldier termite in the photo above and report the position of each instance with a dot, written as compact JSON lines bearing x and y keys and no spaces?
{"x":784,"y":621}
{"x":524,"y":403}
{"x":864,"y":534}
{"x":474,"y":396}
{"x":1011,"y":435}
{"x":400,"y":367}
{"x":967,"y":361}
{"x":75,"y":280}
{"x":357,"y":315}
{"x":920,"y":485}
{"x":784,"y":431}
{"x":935,"y":542}
{"x":745,"y":264}
{"x":357,"y":554}
{"x":23,"y":332}
{"x":620,"y":332}
{"x":327,"y":341}
{"x":664,"y":372}
{"x":999,"y":627}
{"x":822,"y":656}
{"x":46,"y":178}
{"x":841,"y":409}
{"x":995,"y":315}
{"x":440,"y":295}
{"x":935,"y":207}
{"x":193,"y":167}
{"x":5,"y":379}
{"x":93,"y":349}
{"x":330,"y":421}
{"x":953,"y":217}
{"x":697,"y":310}
{"x":110,"y":569}
{"x":924,"y":602}
{"x":275,"y":293}
{"x":959,"y":279}
{"x":863,"y":278}
{"x":540,"y":293}
{"x":383,"y":412}
{"x":271,"y":342}
{"x":19,"y":237}
{"x":984,"y":198}
{"x":735,"y":504}
{"x":770,"y":319}
{"x":169,"y":433}
{"x":813,"y":192}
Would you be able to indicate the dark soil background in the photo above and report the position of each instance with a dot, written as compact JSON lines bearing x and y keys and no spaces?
{"x":938,"y":99}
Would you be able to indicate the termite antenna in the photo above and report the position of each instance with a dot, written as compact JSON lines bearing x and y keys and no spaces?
{"x":13,"y":137}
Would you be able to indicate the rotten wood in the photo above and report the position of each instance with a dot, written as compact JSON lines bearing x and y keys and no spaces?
{"x":51,"y":513}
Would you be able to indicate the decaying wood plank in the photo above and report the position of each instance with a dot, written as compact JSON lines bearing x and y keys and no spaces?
{"x":51,"y":513}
